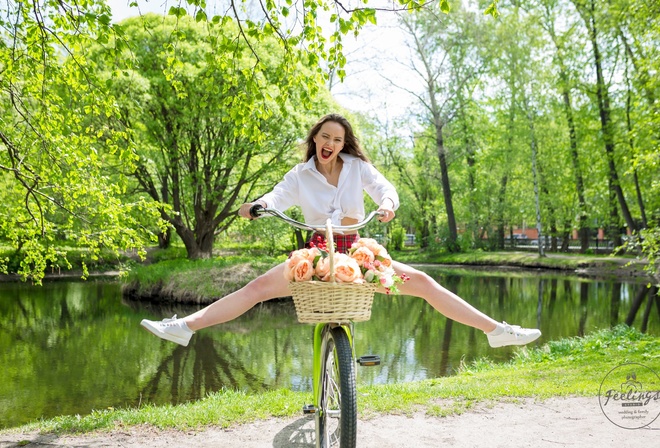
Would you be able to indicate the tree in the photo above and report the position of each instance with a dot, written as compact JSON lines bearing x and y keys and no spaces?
{"x":192,"y":158}
{"x":429,"y":47}
{"x":53,"y":151}
{"x":587,"y":10}
{"x":56,"y":137}
{"x":550,"y":11}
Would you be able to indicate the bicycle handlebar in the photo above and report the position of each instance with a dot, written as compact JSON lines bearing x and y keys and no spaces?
{"x":258,"y":210}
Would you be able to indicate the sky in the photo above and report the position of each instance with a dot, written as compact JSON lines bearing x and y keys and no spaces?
{"x":375,"y":56}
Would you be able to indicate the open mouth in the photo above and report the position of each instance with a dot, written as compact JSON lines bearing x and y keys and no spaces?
{"x":326,"y":153}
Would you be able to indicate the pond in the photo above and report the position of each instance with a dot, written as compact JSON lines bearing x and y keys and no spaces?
{"x":72,"y":347}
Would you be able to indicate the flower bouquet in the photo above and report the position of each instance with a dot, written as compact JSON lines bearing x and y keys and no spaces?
{"x":335,"y":287}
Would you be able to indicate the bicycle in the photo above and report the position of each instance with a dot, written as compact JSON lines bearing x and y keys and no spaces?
{"x":334,"y":373}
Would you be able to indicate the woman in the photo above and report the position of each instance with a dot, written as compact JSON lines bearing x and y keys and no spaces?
{"x":329,"y":185}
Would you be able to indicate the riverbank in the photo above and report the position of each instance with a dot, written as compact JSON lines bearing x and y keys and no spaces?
{"x":558,"y":382}
{"x":178,"y":280}
{"x":203,"y":281}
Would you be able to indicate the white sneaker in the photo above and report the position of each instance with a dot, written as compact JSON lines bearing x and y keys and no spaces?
{"x":512,"y":335}
{"x":173,"y":329}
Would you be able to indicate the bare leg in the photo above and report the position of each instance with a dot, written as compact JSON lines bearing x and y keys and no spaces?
{"x":272,"y":284}
{"x":443,"y":300}
{"x":267,"y":286}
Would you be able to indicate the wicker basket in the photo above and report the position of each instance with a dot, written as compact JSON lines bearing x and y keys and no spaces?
{"x":319,"y":302}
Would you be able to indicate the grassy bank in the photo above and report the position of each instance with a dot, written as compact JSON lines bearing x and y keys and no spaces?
{"x":178,"y":279}
{"x":519,"y":259}
{"x":194,"y":281}
{"x":574,"y":366}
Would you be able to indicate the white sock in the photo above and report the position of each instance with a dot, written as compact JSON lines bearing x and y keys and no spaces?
{"x":185,"y":325}
{"x":499,"y":328}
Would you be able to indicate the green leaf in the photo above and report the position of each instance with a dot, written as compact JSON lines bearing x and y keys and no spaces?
{"x":201,"y":16}
{"x":444,"y":6}
{"x":492,"y":10}
{"x":177,"y":11}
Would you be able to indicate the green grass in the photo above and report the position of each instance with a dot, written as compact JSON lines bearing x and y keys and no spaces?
{"x":175,"y":278}
{"x":76,"y":257}
{"x":568,"y":367}
{"x":506,"y":258}
{"x":197,"y":281}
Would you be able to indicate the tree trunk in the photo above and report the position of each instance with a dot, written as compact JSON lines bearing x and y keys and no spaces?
{"x":583,"y":226}
{"x":452,"y":244}
{"x":470,"y":159}
{"x":537,"y":201}
{"x":603,"y":97}
{"x":501,"y":198}
{"x":565,"y":89}
{"x":631,"y":143}
{"x":165,"y":239}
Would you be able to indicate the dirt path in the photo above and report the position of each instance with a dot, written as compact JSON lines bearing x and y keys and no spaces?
{"x":562,"y":422}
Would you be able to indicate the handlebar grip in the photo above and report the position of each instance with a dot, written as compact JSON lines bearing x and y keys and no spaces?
{"x":255,"y":210}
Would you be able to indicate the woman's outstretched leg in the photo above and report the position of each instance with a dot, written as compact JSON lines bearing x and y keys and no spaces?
{"x":455,"y":308}
{"x":267,"y":286}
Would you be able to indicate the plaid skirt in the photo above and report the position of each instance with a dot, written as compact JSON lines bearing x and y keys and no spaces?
{"x":342,"y":242}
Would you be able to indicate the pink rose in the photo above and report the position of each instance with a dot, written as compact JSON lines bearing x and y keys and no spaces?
{"x":386,"y":281}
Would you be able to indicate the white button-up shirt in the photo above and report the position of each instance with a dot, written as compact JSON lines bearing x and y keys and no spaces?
{"x":305,"y":186}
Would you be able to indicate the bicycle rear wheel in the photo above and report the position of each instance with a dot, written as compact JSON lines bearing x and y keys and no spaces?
{"x":337,"y":416}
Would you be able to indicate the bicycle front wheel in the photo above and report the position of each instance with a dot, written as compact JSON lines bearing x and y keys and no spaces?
{"x":337,"y":416}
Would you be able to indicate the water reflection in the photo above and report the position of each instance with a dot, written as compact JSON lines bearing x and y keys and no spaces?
{"x":68,"y":348}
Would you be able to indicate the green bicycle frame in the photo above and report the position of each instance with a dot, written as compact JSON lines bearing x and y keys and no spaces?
{"x":318,"y":341}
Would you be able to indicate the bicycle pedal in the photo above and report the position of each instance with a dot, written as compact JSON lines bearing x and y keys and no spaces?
{"x":309,"y":409}
{"x":369,"y":360}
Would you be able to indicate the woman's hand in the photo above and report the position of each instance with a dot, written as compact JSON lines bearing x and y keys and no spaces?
{"x":244,"y":211}
{"x":386,"y":210}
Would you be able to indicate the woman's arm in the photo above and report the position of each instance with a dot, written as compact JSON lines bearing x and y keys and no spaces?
{"x":387,"y":208}
{"x":380,"y":190}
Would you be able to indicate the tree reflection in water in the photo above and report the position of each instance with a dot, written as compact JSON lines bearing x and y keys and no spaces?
{"x":205,"y":365}
{"x":71,"y":347}
{"x":653,"y":296}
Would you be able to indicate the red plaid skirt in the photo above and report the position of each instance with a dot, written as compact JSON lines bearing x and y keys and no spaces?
{"x":342,"y":242}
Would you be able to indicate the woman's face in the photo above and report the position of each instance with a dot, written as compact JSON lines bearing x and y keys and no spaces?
{"x":329,"y":142}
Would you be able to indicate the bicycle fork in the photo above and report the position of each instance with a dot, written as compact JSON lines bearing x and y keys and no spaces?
{"x":322,"y":337}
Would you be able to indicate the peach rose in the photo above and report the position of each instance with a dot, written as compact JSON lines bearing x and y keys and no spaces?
{"x":346,"y":269}
{"x":385,"y":260}
{"x":303,"y":254}
{"x":323,"y":269}
{"x":288,"y":271}
{"x":363,"y":256}
{"x":370,"y":244}
{"x":303,"y":271}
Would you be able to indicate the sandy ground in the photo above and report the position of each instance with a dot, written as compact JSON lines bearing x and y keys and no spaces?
{"x":572,"y":422}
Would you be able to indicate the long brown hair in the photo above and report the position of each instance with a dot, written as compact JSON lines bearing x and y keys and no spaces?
{"x":351,"y":143}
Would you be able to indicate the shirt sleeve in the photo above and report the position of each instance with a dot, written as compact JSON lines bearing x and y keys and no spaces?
{"x":377,"y":186}
{"x":285,"y":193}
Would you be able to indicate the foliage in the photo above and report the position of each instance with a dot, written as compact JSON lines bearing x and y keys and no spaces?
{"x":57,"y":135}
{"x":649,"y":245}
{"x":211,"y":132}
{"x":397,"y":237}
{"x":526,"y":86}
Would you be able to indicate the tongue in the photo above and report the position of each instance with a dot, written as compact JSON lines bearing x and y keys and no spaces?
{"x":325,"y":153}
